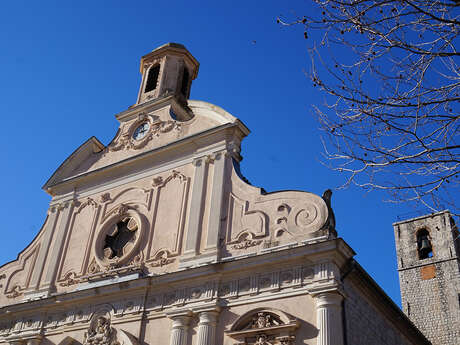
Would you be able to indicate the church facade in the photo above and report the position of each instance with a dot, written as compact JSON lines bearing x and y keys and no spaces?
{"x":156,"y":238}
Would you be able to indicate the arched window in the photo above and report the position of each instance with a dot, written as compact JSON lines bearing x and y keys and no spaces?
{"x":152,"y":78}
{"x":185,"y":80}
{"x":424,"y":247}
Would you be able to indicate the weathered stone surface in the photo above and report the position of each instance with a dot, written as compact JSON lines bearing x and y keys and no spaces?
{"x":430,"y":288}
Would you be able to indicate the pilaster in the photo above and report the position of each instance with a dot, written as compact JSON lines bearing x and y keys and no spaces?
{"x":196,"y":208}
{"x":37,"y":272}
{"x":217,"y":199}
{"x":59,"y":244}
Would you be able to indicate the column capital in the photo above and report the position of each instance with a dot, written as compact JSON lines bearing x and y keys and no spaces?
{"x":180,"y":319}
{"x":207,"y":326}
{"x":325,"y":299}
{"x":208,"y":316}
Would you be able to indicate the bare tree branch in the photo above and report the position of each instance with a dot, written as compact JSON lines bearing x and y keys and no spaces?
{"x":389,"y":70}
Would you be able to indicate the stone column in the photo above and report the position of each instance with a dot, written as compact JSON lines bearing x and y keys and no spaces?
{"x":329,"y":318}
{"x":179,"y":330}
{"x":207,"y":328}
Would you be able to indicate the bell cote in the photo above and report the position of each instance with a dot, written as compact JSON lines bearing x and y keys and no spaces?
{"x":167,"y":70}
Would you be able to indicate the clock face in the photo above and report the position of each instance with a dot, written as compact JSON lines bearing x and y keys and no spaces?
{"x":141,"y":131}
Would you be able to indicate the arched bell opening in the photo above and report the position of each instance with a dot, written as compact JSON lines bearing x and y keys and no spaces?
{"x":185,"y":83}
{"x":424,"y":246}
{"x":152,"y":78}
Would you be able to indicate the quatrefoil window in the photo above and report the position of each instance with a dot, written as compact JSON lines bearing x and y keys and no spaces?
{"x":124,"y":232}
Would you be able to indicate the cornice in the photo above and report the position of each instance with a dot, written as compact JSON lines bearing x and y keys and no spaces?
{"x":177,"y":145}
{"x":313,"y":254}
{"x":431,"y":215}
{"x":151,"y":105}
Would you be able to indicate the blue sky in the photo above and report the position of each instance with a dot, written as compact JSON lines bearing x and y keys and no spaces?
{"x":67,"y":67}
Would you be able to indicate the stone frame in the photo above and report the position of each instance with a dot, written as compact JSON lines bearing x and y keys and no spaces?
{"x":122,"y":212}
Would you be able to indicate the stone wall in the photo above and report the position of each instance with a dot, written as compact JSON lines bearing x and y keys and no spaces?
{"x":430,"y":287}
{"x":365,"y":324}
{"x":430,"y":303}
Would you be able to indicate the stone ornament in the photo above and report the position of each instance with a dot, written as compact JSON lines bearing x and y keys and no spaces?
{"x":246,"y":241}
{"x":159,"y":181}
{"x":162,"y":258}
{"x":119,"y":238}
{"x":277,"y":219}
{"x":100,"y":334}
{"x":137,"y":134}
{"x":70,"y":279}
{"x":263,"y":320}
{"x":14,"y":292}
{"x":264,"y":327}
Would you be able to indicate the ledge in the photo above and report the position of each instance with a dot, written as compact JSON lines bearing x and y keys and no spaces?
{"x":252,"y":332}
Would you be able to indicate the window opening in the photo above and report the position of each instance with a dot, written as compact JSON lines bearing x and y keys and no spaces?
{"x":124,"y":233}
{"x":424,"y":247}
{"x":185,"y":78}
{"x":152,"y":78}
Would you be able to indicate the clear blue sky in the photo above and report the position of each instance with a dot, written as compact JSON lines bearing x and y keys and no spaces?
{"x":66,"y":67}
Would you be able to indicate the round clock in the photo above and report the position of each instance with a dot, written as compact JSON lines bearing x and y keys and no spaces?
{"x":141,"y":131}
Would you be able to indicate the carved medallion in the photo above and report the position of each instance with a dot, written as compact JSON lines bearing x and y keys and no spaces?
{"x":101,"y":333}
{"x":119,"y":238}
{"x":140,"y":132}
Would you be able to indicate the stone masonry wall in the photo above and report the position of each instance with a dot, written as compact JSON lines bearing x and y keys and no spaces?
{"x":365,"y":324}
{"x":430,"y":287}
{"x":433,"y":304}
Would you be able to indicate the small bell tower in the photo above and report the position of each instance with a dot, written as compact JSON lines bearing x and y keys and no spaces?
{"x":427,"y":249}
{"x":168,"y":70}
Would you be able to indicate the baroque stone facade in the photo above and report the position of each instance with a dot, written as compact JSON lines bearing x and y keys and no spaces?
{"x":157,"y":239}
{"x":428,"y":250}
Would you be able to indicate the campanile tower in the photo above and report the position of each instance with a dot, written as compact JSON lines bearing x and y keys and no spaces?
{"x":428,"y":263}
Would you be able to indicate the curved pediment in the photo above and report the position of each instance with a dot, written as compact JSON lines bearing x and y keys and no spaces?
{"x":264,"y":326}
{"x":262,"y":318}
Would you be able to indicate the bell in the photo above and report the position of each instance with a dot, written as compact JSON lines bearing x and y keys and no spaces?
{"x":425,"y":247}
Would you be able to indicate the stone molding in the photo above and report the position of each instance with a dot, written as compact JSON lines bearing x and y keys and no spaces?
{"x":299,"y":279}
{"x":138,"y":224}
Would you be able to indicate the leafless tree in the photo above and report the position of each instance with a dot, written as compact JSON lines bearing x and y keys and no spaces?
{"x":390,"y":73}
